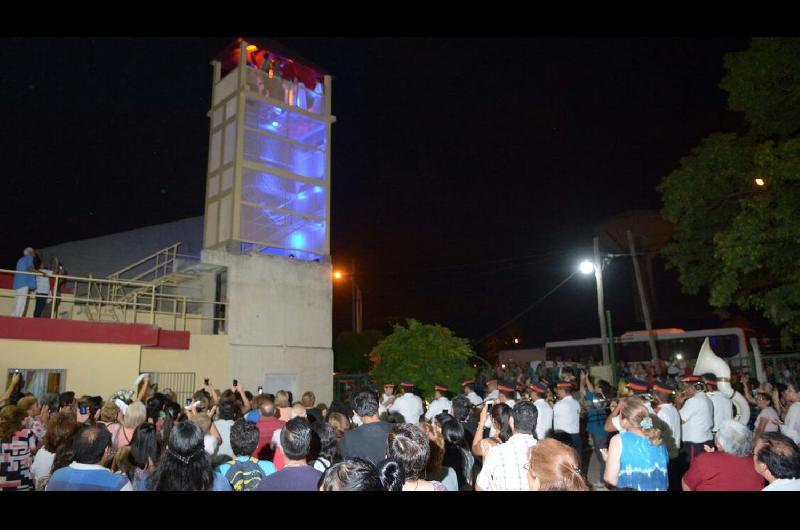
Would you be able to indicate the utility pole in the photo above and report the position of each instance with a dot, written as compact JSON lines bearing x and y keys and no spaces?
{"x":651,"y":338}
{"x":358,"y":313}
{"x":598,"y":275}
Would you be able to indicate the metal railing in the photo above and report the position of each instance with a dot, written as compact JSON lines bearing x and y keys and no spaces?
{"x":98,"y":298}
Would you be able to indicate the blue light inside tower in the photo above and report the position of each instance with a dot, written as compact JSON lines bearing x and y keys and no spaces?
{"x":298,"y":240}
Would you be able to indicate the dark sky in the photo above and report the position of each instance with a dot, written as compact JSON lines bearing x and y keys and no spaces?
{"x":467,"y":173}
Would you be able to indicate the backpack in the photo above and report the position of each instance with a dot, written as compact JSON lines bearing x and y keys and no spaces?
{"x":245,"y":476}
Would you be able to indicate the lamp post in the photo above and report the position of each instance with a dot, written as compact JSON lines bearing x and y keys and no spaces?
{"x":587,"y":267}
{"x":357,"y":299}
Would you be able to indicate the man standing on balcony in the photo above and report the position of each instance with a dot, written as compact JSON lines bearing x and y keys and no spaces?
{"x":24,"y":282}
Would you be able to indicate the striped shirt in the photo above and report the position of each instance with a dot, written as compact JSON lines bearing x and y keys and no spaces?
{"x":505,"y":466}
{"x":87,"y":477}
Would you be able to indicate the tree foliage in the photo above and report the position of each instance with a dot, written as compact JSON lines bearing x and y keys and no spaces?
{"x":351,"y":351}
{"x":739,"y":240}
{"x":423,"y":354}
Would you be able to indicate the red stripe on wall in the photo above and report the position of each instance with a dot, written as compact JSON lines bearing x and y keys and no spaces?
{"x":46,"y":329}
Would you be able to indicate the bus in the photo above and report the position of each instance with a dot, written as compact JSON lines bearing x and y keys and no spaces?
{"x":671,"y":344}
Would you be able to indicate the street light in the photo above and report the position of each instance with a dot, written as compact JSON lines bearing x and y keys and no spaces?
{"x":586,"y":267}
{"x":760,"y":182}
{"x":337,"y":275}
{"x":358,"y":303}
{"x":516,"y":341}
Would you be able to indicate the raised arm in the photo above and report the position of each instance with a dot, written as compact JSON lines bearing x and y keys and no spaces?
{"x":143,"y":392}
{"x":245,"y":402}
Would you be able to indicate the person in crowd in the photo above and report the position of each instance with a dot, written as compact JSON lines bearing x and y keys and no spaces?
{"x":723,"y":406}
{"x":409,"y":446}
{"x":16,"y":454}
{"x":24,"y":282}
{"x":174,"y":413}
{"x":504,"y":468}
{"x":595,"y":396}
{"x":210,"y":442}
{"x":226,"y":415}
{"x":369,"y":440}
{"x":554,"y":466}
{"x":154,"y":408}
{"x":323,"y":410}
{"x":506,"y":393}
{"x":309,"y":400}
{"x":324,"y":450}
{"x":340,"y":425}
{"x":387,"y":398}
{"x":35,"y":416}
{"x":14,"y":392}
{"x":544,"y":418}
{"x":267,"y":425}
{"x":122,"y":433}
{"x":462,"y":411}
{"x":668,"y":420}
{"x":777,"y":459}
{"x":185,"y":465}
{"x":469,"y":392}
{"x":697,"y":415}
{"x":90,"y":449}
{"x":767,"y":419}
{"x":492,"y":394}
{"x":407,"y":404}
{"x":254,"y":415}
{"x":791,"y":422}
{"x":567,"y":415}
{"x":61,"y":429}
{"x":66,"y":402}
{"x":137,"y":460}
{"x":636,"y":457}
{"x":283,"y":405}
{"x":729,"y":467}
{"x":439,"y":404}
{"x":435,"y":470}
{"x":501,"y":427}
{"x":353,"y":474}
{"x":245,"y":472}
{"x":457,"y":455}
{"x":296,"y":474}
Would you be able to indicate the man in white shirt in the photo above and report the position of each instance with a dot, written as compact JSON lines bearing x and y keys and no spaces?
{"x":544,"y":419}
{"x":506,"y":393}
{"x":469,"y":391}
{"x":505,"y":466}
{"x":723,"y":407}
{"x":668,"y":421}
{"x":777,"y":459}
{"x":567,"y":415}
{"x":439,"y":404}
{"x":493,"y":393}
{"x":791,"y":423}
{"x":407,"y":404}
{"x":697,"y":416}
{"x":388,"y":395}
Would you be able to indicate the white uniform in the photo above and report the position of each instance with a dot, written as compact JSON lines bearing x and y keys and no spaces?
{"x":791,"y":426}
{"x":544,"y":419}
{"x":474,"y":398}
{"x":671,"y":419}
{"x":410,"y":406}
{"x":385,"y":398}
{"x":697,"y":414}
{"x":567,"y":415}
{"x":723,"y":409}
{"x":494,"y":394}
{"x":438,"y":406}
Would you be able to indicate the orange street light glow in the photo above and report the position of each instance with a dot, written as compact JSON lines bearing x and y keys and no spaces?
{"x":760,"y":182}
{"x":337,"y":275}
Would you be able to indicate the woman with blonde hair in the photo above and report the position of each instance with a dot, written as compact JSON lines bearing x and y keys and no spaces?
{"x":284,"y":405}
{"x":435,"y":470}
{"x":122,"y":433}
{"x":636,"y":458}
{"x":340,"y":425}
{"x":554,"y":466}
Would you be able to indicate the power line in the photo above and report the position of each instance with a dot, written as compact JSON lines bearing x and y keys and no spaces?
{"x":551,"y":291}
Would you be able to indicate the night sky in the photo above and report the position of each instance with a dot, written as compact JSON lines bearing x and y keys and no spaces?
{"x":467,"y":173}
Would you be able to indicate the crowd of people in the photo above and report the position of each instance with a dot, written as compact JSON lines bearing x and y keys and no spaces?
{"x":649,"y":435}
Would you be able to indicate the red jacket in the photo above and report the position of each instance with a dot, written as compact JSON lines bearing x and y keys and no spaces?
{"x":266,"y":428}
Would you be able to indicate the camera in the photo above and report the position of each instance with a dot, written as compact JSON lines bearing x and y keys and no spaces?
{"x":188,"y":401}
{"x":82,"y":408}
{"x":206,"y":381}
{"x":235,"y":382}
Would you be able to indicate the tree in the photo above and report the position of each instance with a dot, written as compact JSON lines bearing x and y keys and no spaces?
{"x":351,"y":351}
{"x":425,"y":354}
{"x":734,"y":200}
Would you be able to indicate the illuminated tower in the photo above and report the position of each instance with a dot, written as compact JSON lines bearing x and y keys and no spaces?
{"x":268,"y":181}
{"x":267,"y":218}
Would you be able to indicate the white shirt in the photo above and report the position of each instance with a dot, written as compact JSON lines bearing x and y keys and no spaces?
{"x":784,"y":484}
{"x":697,"y":414}
{"x":510,"y":403}
{"x":438,"y":406}
{"x":410,"y":406}
{"x":385,"y":398}
{"x":567,"y":415}
{"x":671,"y":419}
{"x":474,"y":398}
{"x":504,"y":465}
{"x":544,"y":419}
{"x":43,"y":282}
{"x":723,"y":409}
{"x":791,"y":425}
{"x":42,"y":464}
{"x":768,"y":414}
{"x":494,"y":394}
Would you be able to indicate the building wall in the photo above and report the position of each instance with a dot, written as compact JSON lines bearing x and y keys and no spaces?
{"x":279,"y":319}
{"x":94,"y":369}
{"x":207,"y":356}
